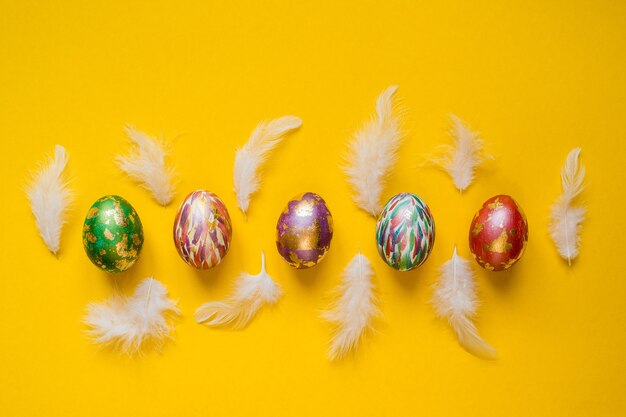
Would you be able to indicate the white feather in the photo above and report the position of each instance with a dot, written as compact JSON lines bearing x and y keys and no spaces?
{"x":130,"y":323}
{"x":372,"y":152}
{"x":250,"y":156}
{"x":252,"y":292}
{"x":461,"y":158}
{"x":50,"y":198}
{"x":455,"y":300}
{"x":146,"y":164}
{"x":566,"y":219}
{"x":354,"y":308}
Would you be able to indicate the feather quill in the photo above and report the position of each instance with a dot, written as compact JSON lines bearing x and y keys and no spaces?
{"x":455,"y":300}
{"x":130,"y":323}
{"x":249,"y":157}
{"x":50,"y":197}
{"x":461,"y":158}
{"x":354,"y":309}
{"x":146,"y":165}
{"x":252,"y":292}
{"x":372,"y":152}
{"x":567,"y":219}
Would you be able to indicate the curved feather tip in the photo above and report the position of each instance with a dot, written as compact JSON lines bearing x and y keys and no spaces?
{"x":251,"y":293}
{"x":455,"y":300}
{"x":146,"y":164}
{"x":354,"y":308}
{"x":566,"y":219}
{"x":50,"y":197}
{"x":250,"y":157}
{"x":372,"y":152}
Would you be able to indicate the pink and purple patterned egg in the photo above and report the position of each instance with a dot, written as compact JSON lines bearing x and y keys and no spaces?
{"x":202,"y":230}
{"x":304,"y":231}
{"x":405,"y":232}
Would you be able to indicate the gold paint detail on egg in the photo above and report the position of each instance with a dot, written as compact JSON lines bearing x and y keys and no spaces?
{"x":108,"y":234}
{"x":500,"y":245}
{"x":93,"y":212}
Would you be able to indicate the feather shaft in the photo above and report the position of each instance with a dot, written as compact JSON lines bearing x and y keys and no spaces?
{"x":50,"y":197}
{"x":250,"y":157}
{"x":251,"y":293}
{"x":455,"y":300}
{"x":461,"y":158}
{"x":146,"y":164}
{"x":130,"y":323}
{"x":354,"y":309}
{"x":372,"y":152}
{"x":566,"y":219}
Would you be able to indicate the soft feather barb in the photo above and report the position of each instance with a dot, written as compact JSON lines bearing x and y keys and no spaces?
{"x":249,"y":158}
{"x":354,"y":309}
{"x":461,"y":158}
{"x":251,"y":293}
{"x":50,"y":197}
{"x":372,"y":153}
{"x":455,"y":300}
{"x":130,"y":323}
{"x":566,"y":219}
{"x":146,"y":164}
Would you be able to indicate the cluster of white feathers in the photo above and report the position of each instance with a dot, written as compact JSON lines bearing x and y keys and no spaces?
{"x":251,"y":293}
{"x":566,"y":219}
{"x":455,"y":300}
{"x":354,"y":308}
{"x":250,"y":157}
{"x":146,"y":164}
{"x":50,"y":197}
{"x":372,"y":152}
{"x":131,"y":323}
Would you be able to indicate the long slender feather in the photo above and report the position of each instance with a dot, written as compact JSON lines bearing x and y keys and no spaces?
{"x":251,"y":156}
{"x":372,"y":152}
{"x":50,"y":197}
{"x":566,"y":219}
{"x":354,"y":309}
{"x":455,"y":299}
{"x":147,"y":165}
{"x":461,"y":158}
{"x":252,"y":292}
{"x":131,"y":323}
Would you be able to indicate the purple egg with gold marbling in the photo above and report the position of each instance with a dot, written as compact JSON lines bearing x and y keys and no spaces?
{"x":304,"y":231}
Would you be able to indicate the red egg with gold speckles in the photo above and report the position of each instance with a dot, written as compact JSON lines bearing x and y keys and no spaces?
{"x":498,"y":234}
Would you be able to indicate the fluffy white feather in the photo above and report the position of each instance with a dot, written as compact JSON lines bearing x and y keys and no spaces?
{"x":130,"y":323}
{"x":146,"y":164}
{"x":372,"y":153}
{"x":251,"y":293}
{"x":50,"y":197}
{"x":354,"y":308}
{"x":566,"y":219}
{"x":250,"y":156}
{"x":461,"y":158}
{"x":455,"y":300}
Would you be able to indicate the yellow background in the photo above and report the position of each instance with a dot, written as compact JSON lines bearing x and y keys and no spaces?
{"x":536,"y":78}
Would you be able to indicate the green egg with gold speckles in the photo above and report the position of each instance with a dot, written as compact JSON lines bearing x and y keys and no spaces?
{"x":112,"y":234}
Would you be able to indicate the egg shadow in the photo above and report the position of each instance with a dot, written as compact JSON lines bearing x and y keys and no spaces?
{"x":504,"y":281}
{"x":308,"y":277}
{"x":210,"y":278}
{"x":409,"y":280}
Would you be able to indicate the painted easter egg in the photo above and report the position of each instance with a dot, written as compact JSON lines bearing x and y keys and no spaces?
{"x":304,"y":231}
{"x":498,"y":234}
{"x":112,"y":234}
{"x":405,"y":232}
{"x":202,"y":230}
